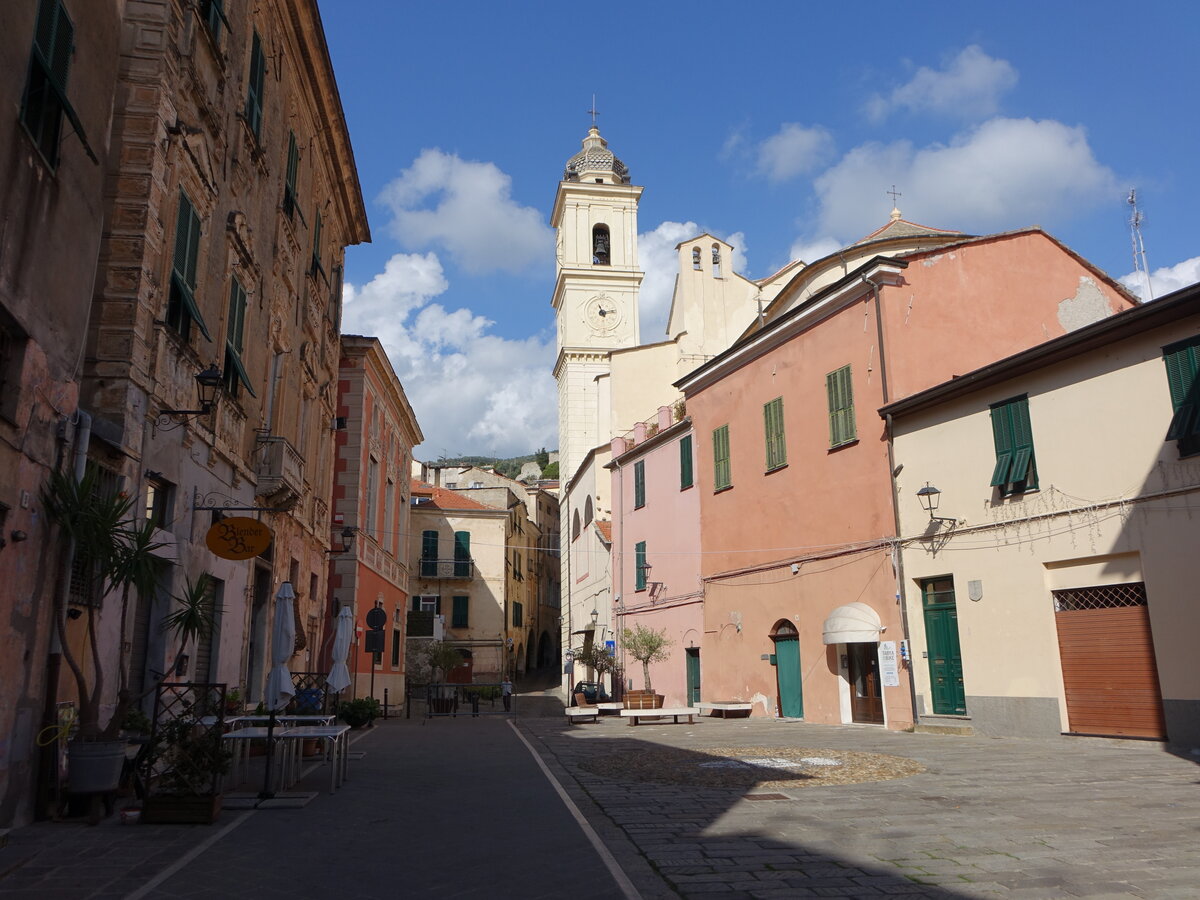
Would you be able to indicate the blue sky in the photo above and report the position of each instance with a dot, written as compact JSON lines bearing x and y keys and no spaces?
{"x":778,"y":126}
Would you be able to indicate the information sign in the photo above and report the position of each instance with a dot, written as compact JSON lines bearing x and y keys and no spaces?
{"x":889,"y":667}
{"x":238,"y":537}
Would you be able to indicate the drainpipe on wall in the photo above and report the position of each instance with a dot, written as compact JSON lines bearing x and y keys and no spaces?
{"x":898,"y":554}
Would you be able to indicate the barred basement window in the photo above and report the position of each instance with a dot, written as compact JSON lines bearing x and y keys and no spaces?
{"x":1109,"y":596}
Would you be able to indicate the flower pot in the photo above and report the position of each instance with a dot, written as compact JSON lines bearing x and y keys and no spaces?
{"x":94,"y":767}
{"x":189,"y":809}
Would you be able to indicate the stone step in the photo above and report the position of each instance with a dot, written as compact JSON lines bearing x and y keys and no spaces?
{"x":944,"y":726}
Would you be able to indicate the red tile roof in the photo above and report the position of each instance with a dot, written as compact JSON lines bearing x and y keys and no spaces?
{"x":443,"y":498}
{"x":605,"y":529}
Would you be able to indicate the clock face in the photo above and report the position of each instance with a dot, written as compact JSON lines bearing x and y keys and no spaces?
{"x":602,"y":314}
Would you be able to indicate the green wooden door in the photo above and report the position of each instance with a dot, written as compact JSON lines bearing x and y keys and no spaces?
{"x":787,"y":674}
{"x":945,"y":657}
{"x":693,"y":675}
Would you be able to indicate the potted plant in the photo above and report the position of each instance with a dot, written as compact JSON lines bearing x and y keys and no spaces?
{"x":646,"y":646}
{"x":233,"y":702}
{"x":184,"y":763}
{"x":360,"y":712}
{"x":106,"y":542}
{"x":442,"y":657}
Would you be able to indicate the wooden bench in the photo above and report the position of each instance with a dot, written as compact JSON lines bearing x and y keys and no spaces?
{"x":581,"y":714}
{"x":725,"y":707}
{"x":673,"y":711}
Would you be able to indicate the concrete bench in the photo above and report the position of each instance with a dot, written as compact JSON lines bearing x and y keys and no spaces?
{"x":673,"y":711}
{"x":726,"y":707}
{"x":609,"y":708}
{"x":581,"y":714}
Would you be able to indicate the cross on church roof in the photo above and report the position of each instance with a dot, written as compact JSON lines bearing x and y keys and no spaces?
{"x":895,"y":193}
{"x":593,"y":112}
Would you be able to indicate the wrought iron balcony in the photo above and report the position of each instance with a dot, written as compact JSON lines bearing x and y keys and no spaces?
{"x":446,"y":568}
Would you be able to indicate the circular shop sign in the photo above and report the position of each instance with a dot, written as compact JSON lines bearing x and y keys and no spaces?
{"x":238,"y":537}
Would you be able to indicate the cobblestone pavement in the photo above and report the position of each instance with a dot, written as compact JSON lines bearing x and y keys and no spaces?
{"x":1071,"y":817}
{"x":460,"y":808}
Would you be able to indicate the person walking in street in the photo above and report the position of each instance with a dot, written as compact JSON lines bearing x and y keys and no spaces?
{"x":506,"y":693}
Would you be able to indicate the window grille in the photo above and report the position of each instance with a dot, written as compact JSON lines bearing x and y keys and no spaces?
{"x":1110,"y":596}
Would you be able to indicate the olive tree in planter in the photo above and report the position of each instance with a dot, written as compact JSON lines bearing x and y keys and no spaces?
{"x":646,"y":646}
{"x":442,"y":657}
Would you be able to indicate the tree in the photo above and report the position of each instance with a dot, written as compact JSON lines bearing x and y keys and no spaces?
{"x":646,"y":646}
{"x":542,"y":458}
{"x":550,"y":471}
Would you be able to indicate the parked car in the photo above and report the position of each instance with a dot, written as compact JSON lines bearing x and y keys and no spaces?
{"x":592,"y":691}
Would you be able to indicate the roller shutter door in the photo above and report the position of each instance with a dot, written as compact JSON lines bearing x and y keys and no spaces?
{"x":1109,"y":672}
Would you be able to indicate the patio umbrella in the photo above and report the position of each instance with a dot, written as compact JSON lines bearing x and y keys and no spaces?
{"x":279,"y":682}
{"x":339,"y":675}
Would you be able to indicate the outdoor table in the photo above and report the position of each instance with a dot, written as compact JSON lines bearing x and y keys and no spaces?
{"x":242,"y":738}
{"x":336,"y":747}
{"x":241,"y":721}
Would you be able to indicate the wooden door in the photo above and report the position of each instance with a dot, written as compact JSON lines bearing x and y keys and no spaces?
{"x":1110,"y":677}
{"x":693,"y":675}
{"x":866,"y":700}
{"x":945,"y":654}
{"x":787,"y":675}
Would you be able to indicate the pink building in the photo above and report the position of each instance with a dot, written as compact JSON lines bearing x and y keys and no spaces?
{"x":656,"y":544}
{"x":803,"y":607}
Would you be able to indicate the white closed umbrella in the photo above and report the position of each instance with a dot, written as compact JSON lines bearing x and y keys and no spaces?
{"x":280,"y":689}
{"x":339,"y":675}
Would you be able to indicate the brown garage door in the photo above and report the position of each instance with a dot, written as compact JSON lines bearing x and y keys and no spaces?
{"x":1108,"y":667}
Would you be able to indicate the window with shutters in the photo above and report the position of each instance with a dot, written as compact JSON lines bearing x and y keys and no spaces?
{"x":639,"y":565}
{"x":639,"y":484}
{"x":459,"y":616}
{"x":254,"y":88}
{"x":372,"y":499}
{"x":289,"y":181}
{"x":775,"y":442}
{"x":316,"y":268}
{"x":45,"y":102}
{"x":395,"y":648}
{"x":1016,"y":468}
{"x":182,"y":309}
{"x":213,"y":14}
{"x":1182,"y":360}
{"x":839,"y":387}
{"x":429,"y":554}
{"x":462,"y":554}
{"x":160,"y":499}
{"x":686,"y":478}
{"x":518,"y":612}
{"x":721,"y":470}
{"x":235,"y":377}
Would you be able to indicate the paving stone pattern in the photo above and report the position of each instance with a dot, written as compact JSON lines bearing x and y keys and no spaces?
{"x":458,"y":808}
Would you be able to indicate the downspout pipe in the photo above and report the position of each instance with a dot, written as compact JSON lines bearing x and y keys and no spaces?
{"x":898,"y":553}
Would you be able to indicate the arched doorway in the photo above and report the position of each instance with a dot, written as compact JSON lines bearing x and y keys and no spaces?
{"x":786,"y":637}
{"x":545,"y":654}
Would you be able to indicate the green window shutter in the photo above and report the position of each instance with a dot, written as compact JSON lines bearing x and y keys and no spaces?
{"x":293,"y":168}
{"x":316,"y":247}
{"x":685,"y":462}
{"x":254,"y":89}
{"x":1182,"y":363}
{"x":182,"y":309}
{"x":721,"y":460}
{"x":773,"y":427}
{"x":459,"y":614}
{"x":639,"y":565}
{"x":416,"y":604}
{"x":235,"y":371}
{"x":639,"y":484}
{"x":462,"y":553}
{"x":518,"y":615}
{"x":839,"y":390}
{"x":1012,"y":434}
{"x":429,"y":553}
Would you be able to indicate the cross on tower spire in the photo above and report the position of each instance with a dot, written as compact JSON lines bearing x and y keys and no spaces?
{"x":593,"y":112}
{"x":895,"y":193}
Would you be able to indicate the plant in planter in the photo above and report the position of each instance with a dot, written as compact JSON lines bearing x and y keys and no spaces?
{"x":646,"y":646}
{"x":233,"y":702}
{"x":441,"y":658}
{"x":360,"y":712}
{"x":186,"y":757}
{"x":595,"y":656}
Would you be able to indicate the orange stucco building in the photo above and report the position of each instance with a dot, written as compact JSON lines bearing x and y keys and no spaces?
{"x":803,"y":611}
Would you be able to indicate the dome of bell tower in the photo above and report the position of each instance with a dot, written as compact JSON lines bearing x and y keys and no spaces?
{"x":595,"y":162}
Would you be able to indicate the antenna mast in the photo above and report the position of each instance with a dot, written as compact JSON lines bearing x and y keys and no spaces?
{"x":1139,"y":249}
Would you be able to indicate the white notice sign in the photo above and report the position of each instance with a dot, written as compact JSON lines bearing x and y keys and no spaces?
{"x":889,"y":670}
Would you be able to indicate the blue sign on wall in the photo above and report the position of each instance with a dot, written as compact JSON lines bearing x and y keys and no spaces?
{"x":611,"y":647}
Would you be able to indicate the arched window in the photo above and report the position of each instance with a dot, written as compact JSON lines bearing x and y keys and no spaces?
{"x":696,"y":258}
{"x":575,"y":525}
{"x":716,"y":253}
{"x":587,"y":512}
{"x":600,"y":246}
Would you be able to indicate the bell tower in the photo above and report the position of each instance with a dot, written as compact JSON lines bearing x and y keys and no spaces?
{"x":596,"y":290}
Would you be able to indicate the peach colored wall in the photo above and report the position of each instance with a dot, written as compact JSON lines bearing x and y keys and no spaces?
{"x":669,"y":523}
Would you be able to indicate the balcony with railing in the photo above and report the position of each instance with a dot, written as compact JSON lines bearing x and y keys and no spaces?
{"x":280,"y":469}
{"x":446,"y":568}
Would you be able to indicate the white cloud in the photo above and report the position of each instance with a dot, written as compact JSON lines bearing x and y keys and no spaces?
{"x":1004,"y":174}
{"x":660,"y":262}
{"x":811,"y":249}
{"x":472,"y":391}
{"x":968,"y":87}
{"x":793,"y":150}
{"x":466,"y":208}
{"x":1165,"y":280}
